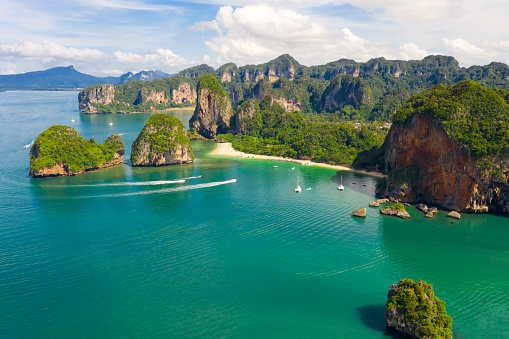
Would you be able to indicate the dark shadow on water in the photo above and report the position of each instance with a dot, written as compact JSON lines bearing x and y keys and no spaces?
{"x":372,"y":316}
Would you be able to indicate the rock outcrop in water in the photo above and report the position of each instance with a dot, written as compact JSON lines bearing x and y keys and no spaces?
{"x":162,"y":141}
{"x":213,"y":112}
{"x":415,"y":311}
{"x":61,"y":151}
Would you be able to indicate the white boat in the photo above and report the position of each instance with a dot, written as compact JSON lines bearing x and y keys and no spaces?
{"x":111,"y":124}
{"x":341,"y":187}
{"x":298,"y":189}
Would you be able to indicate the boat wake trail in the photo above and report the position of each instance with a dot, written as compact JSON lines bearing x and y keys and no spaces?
{"x":133,"y":183}
{"x":166,"y":190}
{"x":30,"y":144}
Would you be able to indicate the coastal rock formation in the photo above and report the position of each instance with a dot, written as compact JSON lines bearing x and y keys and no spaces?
{"x":448,"y":147}
{"x":184,"y":93}
{"x":102,"y":94}
{"x":361,"y":212}
{"x":374,"y":204}
{"x":213,"y":110}
{"x":162,"y":141}
{"x":397,"y":210}
{"x":61,"y":151}
{"x":454,"y":214}
{"x":415,"y":311}
{"x":427,"y":164}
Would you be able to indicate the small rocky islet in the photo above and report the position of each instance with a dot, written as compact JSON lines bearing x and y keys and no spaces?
{"x":413,"y":309}
{"x":162,"y":141}
{"x":62,"y":151}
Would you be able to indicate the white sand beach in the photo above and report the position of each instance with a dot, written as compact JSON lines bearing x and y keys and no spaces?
{"x":226,"y":148}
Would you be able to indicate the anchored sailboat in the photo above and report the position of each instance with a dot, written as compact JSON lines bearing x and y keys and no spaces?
{"x":341,"y":187}
{"x":298,"y":189}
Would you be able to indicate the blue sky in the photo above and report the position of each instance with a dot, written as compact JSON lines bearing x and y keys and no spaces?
{"x":111,"y":37}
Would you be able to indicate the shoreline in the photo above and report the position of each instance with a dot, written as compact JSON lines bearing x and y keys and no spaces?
{"x":225,"y":148}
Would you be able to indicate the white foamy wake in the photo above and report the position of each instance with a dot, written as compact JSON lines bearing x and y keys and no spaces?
{"x":167,"y":190}
{"x":30,"y":144}
{"x":136,"y":183}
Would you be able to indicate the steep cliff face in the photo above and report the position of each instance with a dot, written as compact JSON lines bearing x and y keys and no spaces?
{"x":245,"y":111}
{"x":162,"y":141}
{"x":426,"y":164}
{"x":103,"y":94}
{"x":213,"y":111}
{"x":345,"y":90}
{"x":61,"y":151}
{"x":146,"y":96}
{"x":184,"y":93}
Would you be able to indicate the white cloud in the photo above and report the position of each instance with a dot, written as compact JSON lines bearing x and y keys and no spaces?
{"x":49,"y":53}
{"x":257,"y":33}
{"x":161,"y":57}
{"x":400,"y":10}
{"x":467,"y":52}
{"x":411,"y":51}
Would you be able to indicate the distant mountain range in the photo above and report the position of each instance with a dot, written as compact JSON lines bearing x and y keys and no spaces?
{"x":68,"y":78}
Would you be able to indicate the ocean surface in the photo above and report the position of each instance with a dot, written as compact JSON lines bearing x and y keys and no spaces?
{"x":127,"y":253}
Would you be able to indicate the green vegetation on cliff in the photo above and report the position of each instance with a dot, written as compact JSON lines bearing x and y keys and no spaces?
{"x":389,"y":83}
{"x":135,"y":96}
{"x":273,"y":131}
{"x":210,"y":83}
{"x":476,"y":116}
{"x":64,"y":145}
{"x":417,"y":303}
{"x":162,"y":132}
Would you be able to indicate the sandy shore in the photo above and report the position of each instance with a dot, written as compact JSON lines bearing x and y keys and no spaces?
{"x":226,"y":148}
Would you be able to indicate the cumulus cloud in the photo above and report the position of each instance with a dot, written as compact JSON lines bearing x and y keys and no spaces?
{"x":161,"y":57}
{"x":256,"y":33}
{"x":401,"y":10}
{"x":49,"y":53}
{"x":411,"y":51}
{"x":467,"y":52}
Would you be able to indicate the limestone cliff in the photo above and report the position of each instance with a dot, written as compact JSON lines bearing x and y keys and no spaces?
{"x":102,"y":94}
{"x":149,"y":97}
{"x":245,"y":112}
{"x":426,"y":164}
{"x":450,"y":146}
{"x":345,"y":90}
{"x":61,"y":151}
{"x":290,"y":105}
{"x":213,"y":111}
{"x":162,"y":141}
{"x":184,"y":93}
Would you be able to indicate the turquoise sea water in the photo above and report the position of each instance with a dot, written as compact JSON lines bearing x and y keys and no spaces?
{"x":120,"y":253}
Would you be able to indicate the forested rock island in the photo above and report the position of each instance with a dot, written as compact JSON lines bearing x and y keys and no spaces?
{"x":162,"y":141}
{"x":61,"y":151}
